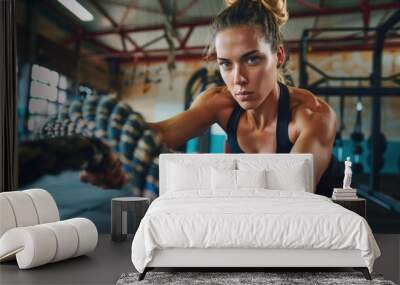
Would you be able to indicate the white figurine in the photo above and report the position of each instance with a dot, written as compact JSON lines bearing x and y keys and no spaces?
{"x":347,"y":174}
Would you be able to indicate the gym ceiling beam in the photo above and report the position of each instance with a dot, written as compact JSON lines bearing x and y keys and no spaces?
{"x":197,"y":52}
{"x":342,"y":11}
{"x":157,"y":27}
{"x":293,"y":45}
{"x":115,"y":25}
{"x":148,"y":54}
{"x":77,"y":30}
{"x":207,"y":21}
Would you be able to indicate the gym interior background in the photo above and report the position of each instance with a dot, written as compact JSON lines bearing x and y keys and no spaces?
{"x":150,"y":55}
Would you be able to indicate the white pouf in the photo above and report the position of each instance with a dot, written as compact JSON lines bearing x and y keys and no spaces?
{"x":31,"y":233}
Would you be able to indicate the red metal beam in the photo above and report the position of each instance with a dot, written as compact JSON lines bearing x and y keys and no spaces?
{"x":154,"y":58}
{"x":79,"y":30}
{"x":149,"y":52}
{"x":137,"y":47}
{"x":207,"y":21}
{"x":186,"y":38}
{"x":178,"y":50}
{"x":338,"y":40}
{"x":200,"y":56}
{"x":341,"y":11}
{"x":366,"y":12}
{"x":198,"y":51}
{"x":309,"y":5}
{"x":314,"y":42}
{"x":115,"y":25}
{"x":198,"y":23}
{"x":360,"y":47}
{"x":177,"y":58}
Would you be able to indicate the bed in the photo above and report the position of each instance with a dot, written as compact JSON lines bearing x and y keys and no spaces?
{"x":247,"y":210}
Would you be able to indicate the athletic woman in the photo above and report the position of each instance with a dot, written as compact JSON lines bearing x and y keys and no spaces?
{"x":258,"y":112}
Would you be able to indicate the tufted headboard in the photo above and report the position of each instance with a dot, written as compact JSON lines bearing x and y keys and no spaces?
{"x":283,"y":164}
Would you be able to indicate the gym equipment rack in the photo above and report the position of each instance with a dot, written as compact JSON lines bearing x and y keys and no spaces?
{"x":376,"y":91}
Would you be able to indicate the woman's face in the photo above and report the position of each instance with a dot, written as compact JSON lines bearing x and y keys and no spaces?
{"x":247,"y":64}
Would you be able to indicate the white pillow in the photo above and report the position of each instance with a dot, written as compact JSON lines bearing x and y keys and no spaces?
{"x":236,"y":179}
{"x":251,"y":178}
{"x":183,"y":176}
{"x":293,"y":180}
{"x":223,"y":179}
{"x":281,"y":174}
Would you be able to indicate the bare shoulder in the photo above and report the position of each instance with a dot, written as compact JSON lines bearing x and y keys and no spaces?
{"x":203,"y":112}
{"x":215,"y":96}
{"x":218,"y":101}
{"x":312,"y":114}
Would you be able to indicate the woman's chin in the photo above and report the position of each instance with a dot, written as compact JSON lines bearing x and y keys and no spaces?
{"x":247,"y":105}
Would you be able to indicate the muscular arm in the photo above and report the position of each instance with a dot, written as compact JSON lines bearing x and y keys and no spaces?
{"x":174,"y":132}
{"x":317,"y":135}
{"x":193,"y":122}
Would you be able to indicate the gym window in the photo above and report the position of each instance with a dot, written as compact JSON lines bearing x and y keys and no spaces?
{"x":47,"y":93}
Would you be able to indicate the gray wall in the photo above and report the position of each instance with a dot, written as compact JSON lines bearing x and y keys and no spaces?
{"x":389,"y":262}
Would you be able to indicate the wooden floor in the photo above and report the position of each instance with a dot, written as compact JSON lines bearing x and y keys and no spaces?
{"x":102,"y":266}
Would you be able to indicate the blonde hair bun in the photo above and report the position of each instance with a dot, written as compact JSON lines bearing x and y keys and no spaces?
{"x":277,"y":7}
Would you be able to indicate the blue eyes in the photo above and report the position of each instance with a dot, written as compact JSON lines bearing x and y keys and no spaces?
{"x":224,"y":65}
{"x":252,"y":60}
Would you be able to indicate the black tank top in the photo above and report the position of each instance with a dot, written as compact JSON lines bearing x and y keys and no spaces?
{"x":332,"y":177}
{"x":284,"y":145}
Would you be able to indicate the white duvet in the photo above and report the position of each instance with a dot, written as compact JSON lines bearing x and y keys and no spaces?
{"x":253,"y":218}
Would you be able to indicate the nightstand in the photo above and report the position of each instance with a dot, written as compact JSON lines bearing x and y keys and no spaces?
{"x":358,"y":205}
{"x":119,"y":215}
